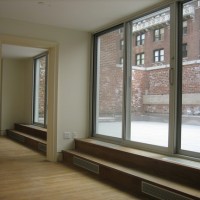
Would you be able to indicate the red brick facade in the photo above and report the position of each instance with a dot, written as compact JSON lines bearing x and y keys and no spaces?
{"x":150,"y":79}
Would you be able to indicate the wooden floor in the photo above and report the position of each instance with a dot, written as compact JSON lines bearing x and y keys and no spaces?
{"x":25,"y":174}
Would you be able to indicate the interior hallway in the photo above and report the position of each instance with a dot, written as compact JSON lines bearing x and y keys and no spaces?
{"x":25,"y":174}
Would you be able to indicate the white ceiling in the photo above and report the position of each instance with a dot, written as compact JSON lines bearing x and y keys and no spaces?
{"x":19,"y":52}
{"x":82,"y":15}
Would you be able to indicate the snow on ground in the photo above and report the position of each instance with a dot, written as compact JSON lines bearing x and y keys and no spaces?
{"x":155,"y":133}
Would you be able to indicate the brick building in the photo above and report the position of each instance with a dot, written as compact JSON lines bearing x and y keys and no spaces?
{"x":150,"y":65}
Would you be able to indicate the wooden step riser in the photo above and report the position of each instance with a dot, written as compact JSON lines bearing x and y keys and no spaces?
{"x":31,"y":131}
{"x":121,"y":179}
{"x":171,"y":171}
{"x":107,"y":174}
{"x":31,"y":143}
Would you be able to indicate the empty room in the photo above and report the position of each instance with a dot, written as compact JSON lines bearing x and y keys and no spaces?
{"x":100,"y":99}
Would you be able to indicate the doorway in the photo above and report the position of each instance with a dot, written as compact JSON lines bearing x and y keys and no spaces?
{"x":52,"y":49}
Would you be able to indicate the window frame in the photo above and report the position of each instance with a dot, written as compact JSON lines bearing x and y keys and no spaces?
{"x":141,"y":39}
{"x":141,"y":58}
{"x":160,"y":35}
{"x":95,"y":81}
{"x":121,"y":44}
{"x":159,"y":56}
{"x":185,"y":27}
{"x":184,"y":50}
{"x":181,"y":152}
{"x":175,"y":102}
{"x":34,"y":90}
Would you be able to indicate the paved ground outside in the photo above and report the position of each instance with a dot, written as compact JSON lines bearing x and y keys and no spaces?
{"x":155,"y":133}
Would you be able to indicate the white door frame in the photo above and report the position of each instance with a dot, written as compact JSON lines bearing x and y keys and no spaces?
{"x":52,"y":85}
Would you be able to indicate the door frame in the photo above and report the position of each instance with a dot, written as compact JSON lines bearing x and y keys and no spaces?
{"x":52,"y":83}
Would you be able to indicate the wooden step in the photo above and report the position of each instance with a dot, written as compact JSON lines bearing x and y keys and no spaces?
{"x":28,"y":140}
{"x":32,"y":130}
{"x":128,"y":178}
{"x":175,"y":170}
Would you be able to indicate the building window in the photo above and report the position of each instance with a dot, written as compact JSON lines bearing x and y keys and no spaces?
{"x":40,"y":90}
{"x":159,"y":55}
{"x":109,"y":81}
{"x":121,"y":44}
{"x":159,"y":34}
{"x":184,"y":50}
{"x":121,"y":61}
{"x":184,"y":27}
{"x":140,"y":39}
{"x":121,"y":30}
{"x":140,"y":59}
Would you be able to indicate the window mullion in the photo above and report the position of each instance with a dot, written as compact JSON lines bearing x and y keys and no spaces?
{"x":127,"y":81}
{"x":174,"y":78}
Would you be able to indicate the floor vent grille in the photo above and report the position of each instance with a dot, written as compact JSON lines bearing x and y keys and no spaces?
{"x":86,"y":164}
{"x":161,"y":193}
{"x":17,"y":137}
{"x":42,"y":147}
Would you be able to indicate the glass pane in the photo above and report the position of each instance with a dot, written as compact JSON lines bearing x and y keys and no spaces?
{"x":156,"y":32}
{"x":109,"y":85}
{"x":156,"y":59}
{"x":190,"y":136}
{"x":150,"y":84}
{"x":40,"y":90}
{"x":143,"y":36}
{"x":142,"y":56}
{"x":156,"y":53}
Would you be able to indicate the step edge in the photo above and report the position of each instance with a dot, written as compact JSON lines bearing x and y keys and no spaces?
{"x":150,"y":178}
{"x":149,"y":155}
{"x":28,"y":136}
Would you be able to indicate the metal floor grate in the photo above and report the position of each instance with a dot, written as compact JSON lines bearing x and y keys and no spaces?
{"x":42,"y":147}
{"x":161,"y":193}
{"x":86,"y":164}
{"x":17,"y":137}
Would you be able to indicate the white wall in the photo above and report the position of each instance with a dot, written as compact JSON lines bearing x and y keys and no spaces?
{"x":28,"y":86}
{"x":14,"y":84}
{"x":73,"y":74}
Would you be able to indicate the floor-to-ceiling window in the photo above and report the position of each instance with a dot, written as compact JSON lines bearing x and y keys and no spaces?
{"x":147,"y":80}
{"x":190,"y":82}
{"x":40,"y":90}
{"x":150,"y":78}
{"x":109,"y":82}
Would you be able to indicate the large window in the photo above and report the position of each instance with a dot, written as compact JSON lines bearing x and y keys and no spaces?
{"x":190,"y":128}
{"x":109,"y":93}
{"x":40,"y":90}
{"x":150,"y":90}
{"x":153,"y":100}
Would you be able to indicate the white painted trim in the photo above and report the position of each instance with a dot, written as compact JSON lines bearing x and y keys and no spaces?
{"x":188,"y":99}
{"x":156,"y":99}
{"x":155,"y":67}
{"x":52,"y":84}
{"x":0,"y":85}
{"x":163,"y":66}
